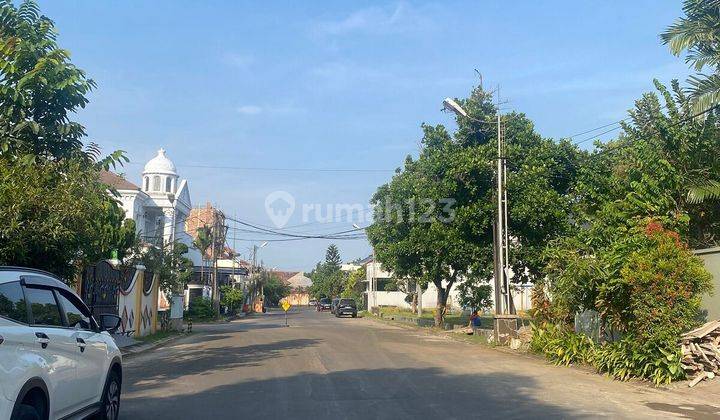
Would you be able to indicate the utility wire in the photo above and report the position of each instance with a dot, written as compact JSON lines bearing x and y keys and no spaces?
{"x":280,"y":169}
{"x":334,"y":235}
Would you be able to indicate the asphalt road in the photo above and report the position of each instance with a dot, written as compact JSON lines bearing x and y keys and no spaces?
{"x":322,"y":367}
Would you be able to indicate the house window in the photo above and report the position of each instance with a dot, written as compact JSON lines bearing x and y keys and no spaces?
{"x":168,"y":184}
{"x":156,"y":183}
{"x":147,"y":183}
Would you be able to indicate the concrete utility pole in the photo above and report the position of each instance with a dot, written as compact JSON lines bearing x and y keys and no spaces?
{"x":215,"y":297}
{"x":504,"y":321}
{"x":500,"y":231}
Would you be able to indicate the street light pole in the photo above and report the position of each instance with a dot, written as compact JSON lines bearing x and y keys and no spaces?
{"x":500,"y":231}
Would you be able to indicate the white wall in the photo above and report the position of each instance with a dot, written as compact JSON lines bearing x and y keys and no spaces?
{"x":428,"y":299}
{"x":374,"y":270}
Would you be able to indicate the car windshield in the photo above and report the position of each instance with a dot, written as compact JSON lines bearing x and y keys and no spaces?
{"x":347,"y":302}
{"x":324,"y":300}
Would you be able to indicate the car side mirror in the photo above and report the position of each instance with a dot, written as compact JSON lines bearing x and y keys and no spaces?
{"x":109,"y":323}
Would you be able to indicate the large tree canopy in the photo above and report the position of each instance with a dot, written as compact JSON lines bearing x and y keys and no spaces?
{"x":55,"y":213}
{"x":434,"y":219}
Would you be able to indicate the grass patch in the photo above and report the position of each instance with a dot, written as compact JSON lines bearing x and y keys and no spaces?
{"x":452,"y":318}
{"x":160,"y":335}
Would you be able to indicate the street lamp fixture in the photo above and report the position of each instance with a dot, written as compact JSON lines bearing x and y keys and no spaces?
{"x":451,"y":105}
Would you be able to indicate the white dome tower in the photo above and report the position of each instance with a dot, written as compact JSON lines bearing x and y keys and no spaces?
{"x":159,"y":175}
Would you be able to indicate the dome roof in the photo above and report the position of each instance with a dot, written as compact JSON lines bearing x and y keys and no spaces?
{"x":160,"y":164}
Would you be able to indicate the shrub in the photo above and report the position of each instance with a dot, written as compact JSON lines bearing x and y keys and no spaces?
{"x":562,"y":346}
{"x":231,"y":298}
{"x":632,"y":357}
{"x":200,"y":308}
{"x":645,"y":284}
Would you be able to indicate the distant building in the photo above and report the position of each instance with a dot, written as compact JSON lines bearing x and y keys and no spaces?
{"x":160,"y":207}
{"x":299,"y":286}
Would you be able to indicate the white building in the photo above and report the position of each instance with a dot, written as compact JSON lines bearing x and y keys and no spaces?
{"x":161,"y":206}
{"x":377,"y":295}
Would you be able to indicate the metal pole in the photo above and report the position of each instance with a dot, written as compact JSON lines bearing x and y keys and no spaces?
{"x":216,"y":295}
{"x":373,"y":284}
{"x":500,"y":267}
{"x":496,"y":281}
{"x":506,"y":250}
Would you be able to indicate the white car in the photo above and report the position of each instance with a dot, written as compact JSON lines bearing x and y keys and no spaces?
{"x":56,"y":360}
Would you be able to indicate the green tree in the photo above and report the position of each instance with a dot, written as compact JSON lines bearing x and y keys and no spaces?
{"x":628,"y":258}
{"x":327,"y":278}
{"x":202,"y":242}
{"x":698,"y":33}
{"x":274,"y":289}
{"x":354,"y":286}
{"x":58,"y":216}
{"x":332,"y":258}
{"x":434,"y":219}
{"x":170,"y":263}
{"x":55,"y":213}
{"x":476,"y":295}
{"x":231,"y":298}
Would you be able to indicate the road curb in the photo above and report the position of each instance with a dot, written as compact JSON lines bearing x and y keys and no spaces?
{"x":136,"y":349}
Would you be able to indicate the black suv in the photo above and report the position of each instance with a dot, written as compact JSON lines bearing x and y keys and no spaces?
{"x":324,"y":305}
{"x":346,"y":307}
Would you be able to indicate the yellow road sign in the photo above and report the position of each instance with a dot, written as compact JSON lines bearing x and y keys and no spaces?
{"x":285,"y":305}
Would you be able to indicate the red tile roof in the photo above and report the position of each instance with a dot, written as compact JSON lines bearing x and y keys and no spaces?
{"x":284,"y":276}
{"x":116,"y":181}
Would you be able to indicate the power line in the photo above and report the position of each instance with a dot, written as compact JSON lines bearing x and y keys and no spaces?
{"x":595,"y":136}
{"x":334,"y":235}
{"x":280,"y":169}
{"x":675,"y":124}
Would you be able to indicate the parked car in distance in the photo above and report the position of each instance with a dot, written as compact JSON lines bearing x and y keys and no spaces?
{"x":324,"y":304}
{"x":312,"y":302}
{"x":56,"y":360}
{"x":346,"y":307}
{"x":333,"y":305}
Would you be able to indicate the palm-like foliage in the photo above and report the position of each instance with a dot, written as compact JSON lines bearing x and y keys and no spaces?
{"x":202,"y":242}
{"x":698,"y":33}
{"x":700,"y":193}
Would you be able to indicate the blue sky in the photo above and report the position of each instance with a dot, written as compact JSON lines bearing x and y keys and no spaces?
{"x":341,"y":85}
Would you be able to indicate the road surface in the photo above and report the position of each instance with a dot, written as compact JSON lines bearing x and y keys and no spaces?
{"x":322,"y":367}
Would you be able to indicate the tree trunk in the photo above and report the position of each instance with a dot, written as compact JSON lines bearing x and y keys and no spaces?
{"x":442,"y":297}
{"x":413,"y":304}
{"x":440,"y":306}
{"x":202,"y":271}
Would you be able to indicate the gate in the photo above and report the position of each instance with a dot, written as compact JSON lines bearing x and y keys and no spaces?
{"x":100,"y":287}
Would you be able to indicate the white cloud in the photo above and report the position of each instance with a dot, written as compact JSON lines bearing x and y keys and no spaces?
{"x":399,"y":18}
{"x":241,"y":61}
{"x":274,"y":109}
{"x":249,"y":110}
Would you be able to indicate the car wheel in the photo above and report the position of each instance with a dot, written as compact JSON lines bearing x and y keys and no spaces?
{"x":26,"y":412}
{"x":110,"y":408}
{"x":354,"y":315}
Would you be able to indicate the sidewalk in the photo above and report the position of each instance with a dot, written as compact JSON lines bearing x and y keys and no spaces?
{"x":131,"y":346}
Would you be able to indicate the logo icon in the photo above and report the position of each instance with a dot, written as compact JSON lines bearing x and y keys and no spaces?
{"x":279,"y":206}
